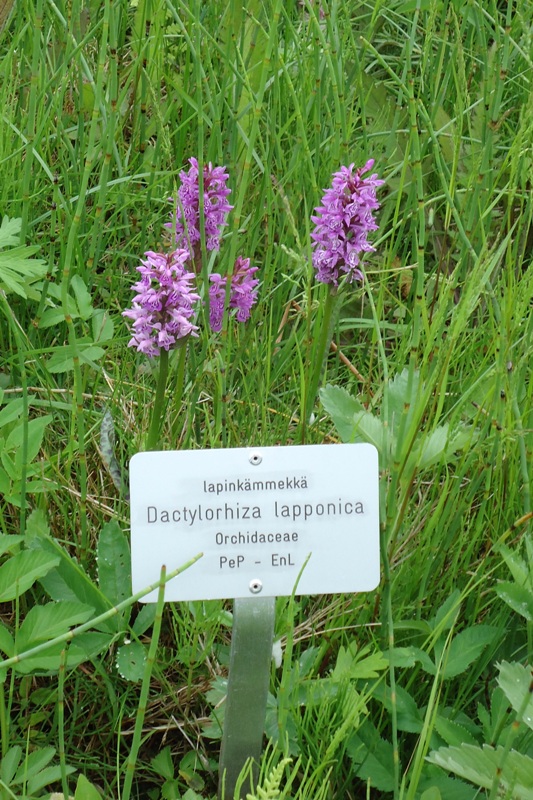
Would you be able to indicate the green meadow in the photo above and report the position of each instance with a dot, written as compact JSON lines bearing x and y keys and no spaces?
{"x":421,"y":689}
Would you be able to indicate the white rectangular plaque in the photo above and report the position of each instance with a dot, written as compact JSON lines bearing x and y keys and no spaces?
{"x":256,"y":514}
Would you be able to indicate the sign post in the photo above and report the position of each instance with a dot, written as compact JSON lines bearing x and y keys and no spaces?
{"x":266,"y":519}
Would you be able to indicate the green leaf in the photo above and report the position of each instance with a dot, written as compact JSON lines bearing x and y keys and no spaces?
{"x":516,"y":682}
{"x":114,"y":563}
{"x":11,"y":411}
{"x":9,"y":764}
{"x":452,"y":731}
{"x":21,"y":571}
{"x":7,"y":643}
{"x":374,"y":757}
{"x":34,"y":763}
{"x":85,"y":790}
{"x":84,"y":647}
{"x":480,"y":766}
{"x":69,"y":582}
{"x":466,"y":647}
{"x":517,"y":597}
{"x":46,"y":777}
{"x":131,"y":661}
{"x":400,"y":400}
{"x":8,"y":541}
{"x":83,"y":298}
{"x":145,"y":618}
{"x":342,"y":408}
{"x":103,"y":327}
{"x":45,"y":622}
{"x":10,"y":232}
{"x":163,"y":764}
{"x":35,"y":434}
{"x":63,"y":359}
{"x":517,"y":566}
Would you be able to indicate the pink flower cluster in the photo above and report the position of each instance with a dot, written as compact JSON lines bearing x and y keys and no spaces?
{"x":165,"y":300}
{"x":343,"y":222}
{"x":186,"y":226}
{"x":164,"y":303}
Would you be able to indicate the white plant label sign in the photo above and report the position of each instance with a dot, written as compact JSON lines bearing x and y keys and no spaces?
{"x":258,"y":515}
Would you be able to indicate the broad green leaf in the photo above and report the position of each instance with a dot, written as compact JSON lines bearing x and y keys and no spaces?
{"x":408,"y":656}
{"x":163,"y":764}
{"x":400,"y":397}
{"x":465,"y":648}
{"x":8,"y":541}
{"x":85,"y":790}
{"x":114,"y":563}
{"x":11,"y":411}
{"x":20,"y":572}
{"x":342,"y":408}
{"x":10,"y":232}
{"x":45,"y":622}
{"x":480,"y":765}
{"x":9,"y":764}
{"x":431,"y":794}
{"x":516,"y":681}
{"x":452,"y":731}
{"x":69,"y":581}
{"x":409,"y":718}
{"x":46,"y":777}
{"x":83,"y":647}
{"x":517,"y":597}
{"x":7,"y":644}
{"x":83,"y":298}
{"x":35,"y":433}
{"x":131,"y":661}
{"x":374,"y":758}
{"x":517,"y":566}
{"x":144,"y":619}
{"x":34,"y":763}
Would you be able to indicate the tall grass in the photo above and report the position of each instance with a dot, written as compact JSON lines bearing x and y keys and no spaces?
{"x":101,"y":106}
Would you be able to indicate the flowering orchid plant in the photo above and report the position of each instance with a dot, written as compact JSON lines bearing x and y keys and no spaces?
{"x":342,"y":224}
{"x":166,"y":304}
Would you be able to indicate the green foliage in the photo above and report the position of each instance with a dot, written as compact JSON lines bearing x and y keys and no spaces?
{"x":19,"y":271}
{"x":102,"y":105}
{"x":29,"y":773}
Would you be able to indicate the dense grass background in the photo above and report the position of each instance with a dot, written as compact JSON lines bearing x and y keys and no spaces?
{"x":102,"y":103}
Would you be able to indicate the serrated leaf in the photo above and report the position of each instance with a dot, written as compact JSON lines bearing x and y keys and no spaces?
{"x":517,"y":681}
{"x":342,"y":408}
{"x":465,"y":648}
{"x":162,"y":764}
{"x":374,"y":757}
{"x":46,"y":777}
{"x":114,"y":563}
{"x":20,"y":572}
{"x":401,"y":397}
{"x":480,"y":766}
{"x":452,"y":731}
{"x":131,"y":661}
{"x":517,"y":597}
{"x":45,"y":622}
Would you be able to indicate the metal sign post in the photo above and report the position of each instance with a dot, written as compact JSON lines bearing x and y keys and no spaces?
{"x":248,"y":682}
